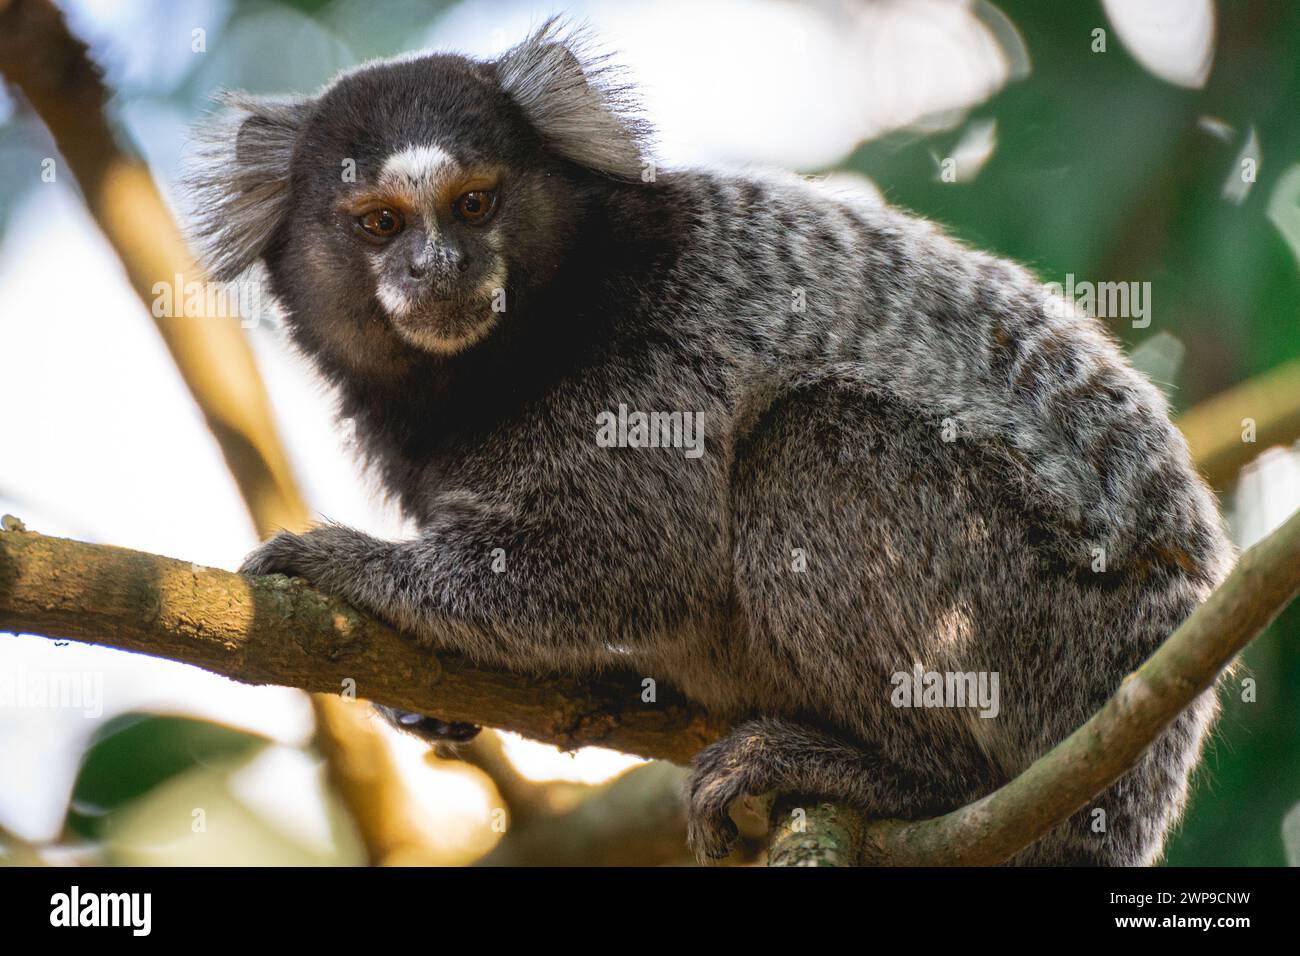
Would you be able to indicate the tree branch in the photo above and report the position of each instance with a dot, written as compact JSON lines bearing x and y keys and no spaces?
{"x":273,"y":630}
{"x":1213,"y":428}
{"x":632,"y":820}
{"x":808,"y":832}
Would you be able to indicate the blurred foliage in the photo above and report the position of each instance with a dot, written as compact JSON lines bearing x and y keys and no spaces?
{"x":134,"y":753}
{"x":1102,"y":170}
{"x":1250,"y":777}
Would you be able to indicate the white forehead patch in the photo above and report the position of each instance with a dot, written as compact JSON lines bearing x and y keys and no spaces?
{"x":418,"y":169}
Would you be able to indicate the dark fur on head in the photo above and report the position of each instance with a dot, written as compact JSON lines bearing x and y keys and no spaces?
{"x":551,"y":126}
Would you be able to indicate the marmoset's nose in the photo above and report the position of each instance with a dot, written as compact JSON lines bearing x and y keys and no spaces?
{"x":436,"y":264}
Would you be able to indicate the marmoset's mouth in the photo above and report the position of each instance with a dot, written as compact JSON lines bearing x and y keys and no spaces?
{"x":443,"y":332}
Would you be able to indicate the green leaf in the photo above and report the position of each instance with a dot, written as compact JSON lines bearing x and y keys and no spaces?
{"x":134,"y":753}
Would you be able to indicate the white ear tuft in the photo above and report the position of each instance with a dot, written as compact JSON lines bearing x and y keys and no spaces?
{"x":578,"y":102}
{"x":237,"y":182}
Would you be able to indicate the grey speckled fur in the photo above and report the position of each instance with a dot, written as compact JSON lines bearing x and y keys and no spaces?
{"x":824,"y":428}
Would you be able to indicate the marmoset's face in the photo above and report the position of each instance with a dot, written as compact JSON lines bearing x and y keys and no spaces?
{"x":425,"y":187}
{"x":426,"y":227}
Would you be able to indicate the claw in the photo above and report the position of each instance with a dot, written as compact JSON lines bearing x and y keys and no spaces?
{"x":431,"y":728}
{"x":711,"y":838}
{"x":280,"y":555}
{"x":716,"y":784}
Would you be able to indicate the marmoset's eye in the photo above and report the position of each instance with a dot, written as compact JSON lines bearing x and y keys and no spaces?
{"x":475,"y":206}
{"x":381,"y":223}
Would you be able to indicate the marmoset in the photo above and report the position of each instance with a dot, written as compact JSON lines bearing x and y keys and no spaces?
{"x":793,"y":453}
